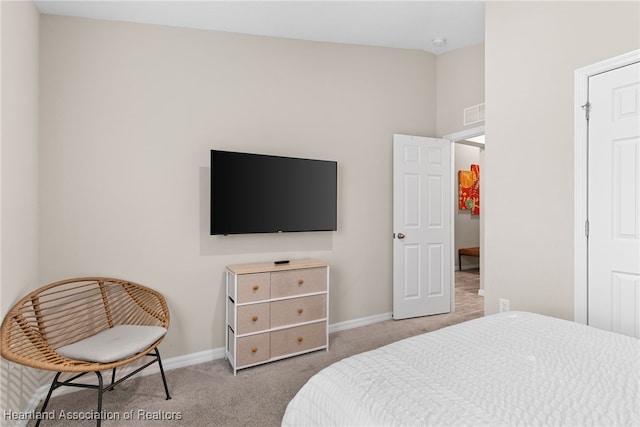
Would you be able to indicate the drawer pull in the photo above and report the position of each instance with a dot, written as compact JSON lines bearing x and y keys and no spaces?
{"x":254,"y":318}
{"x":300,"y":282}
{"x":254,"y":349}
{"x":300,"y":310}
{"x":299,"y":339}
{"x":255,"y":288}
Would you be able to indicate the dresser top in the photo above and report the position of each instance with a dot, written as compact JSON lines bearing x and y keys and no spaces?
{"x":265,"y":267}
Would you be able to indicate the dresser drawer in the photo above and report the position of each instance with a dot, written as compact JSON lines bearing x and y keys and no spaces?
{"x":297,"y":282}
{"x":253,"y":318}
{"x":299,"y":338}
{"x":253,"y":287}
{"x":253,"y":349}
{"x":298,"y":310}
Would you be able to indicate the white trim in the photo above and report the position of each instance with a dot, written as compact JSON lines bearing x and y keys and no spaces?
{"x":363,"y":321}
{"x":580,"y":186}
{"x":481,"y":292}
{"x":463,"y":135}
{"x":190,"y":359}
{"x":468,"y":267}
{"x":452,"y":224}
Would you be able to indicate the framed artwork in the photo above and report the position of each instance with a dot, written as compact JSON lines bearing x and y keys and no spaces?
{"x":469,"y":189}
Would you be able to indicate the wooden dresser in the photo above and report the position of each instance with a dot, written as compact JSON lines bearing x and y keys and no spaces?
{"x":276,"y":311}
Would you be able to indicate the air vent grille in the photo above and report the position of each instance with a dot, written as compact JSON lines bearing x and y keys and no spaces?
{"x":474,"y":114}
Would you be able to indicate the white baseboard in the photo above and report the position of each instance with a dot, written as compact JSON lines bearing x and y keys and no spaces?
{"x":182,"y":362}
{"x":356,"y":323}
{"x":190,"y":359}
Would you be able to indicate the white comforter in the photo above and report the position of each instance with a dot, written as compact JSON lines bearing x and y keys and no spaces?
{"x":508,"y":369}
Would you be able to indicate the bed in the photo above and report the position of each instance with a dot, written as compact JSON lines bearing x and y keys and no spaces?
{"x":507,"y":369}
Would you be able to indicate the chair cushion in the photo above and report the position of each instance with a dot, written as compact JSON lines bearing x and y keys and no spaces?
{"x":117,"y":343}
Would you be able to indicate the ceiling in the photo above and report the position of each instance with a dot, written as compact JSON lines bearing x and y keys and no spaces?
{"x":395,"y":24}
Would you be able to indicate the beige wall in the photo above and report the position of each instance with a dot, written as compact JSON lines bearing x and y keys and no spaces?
{"x":460,"y":84}
{"x":532,"y":51}
{"x":19,"y":150}
{"x":131,"y":114}
{"x":19,"y":180}
{"x":460,"y":77}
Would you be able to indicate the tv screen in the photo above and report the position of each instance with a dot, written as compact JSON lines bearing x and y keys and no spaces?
{"x":256,"y":193}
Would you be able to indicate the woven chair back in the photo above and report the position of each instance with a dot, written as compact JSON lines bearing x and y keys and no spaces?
{"x":68,"y":311}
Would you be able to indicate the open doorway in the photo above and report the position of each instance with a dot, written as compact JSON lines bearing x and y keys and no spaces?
{"x":467,"y":212}
{"x":468,"y":149}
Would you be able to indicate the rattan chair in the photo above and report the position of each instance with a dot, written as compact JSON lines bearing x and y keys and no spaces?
{"x":76,"y":326}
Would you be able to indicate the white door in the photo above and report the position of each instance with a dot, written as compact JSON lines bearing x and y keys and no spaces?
{"x":614,"y":201}
{"x":422,"y":206}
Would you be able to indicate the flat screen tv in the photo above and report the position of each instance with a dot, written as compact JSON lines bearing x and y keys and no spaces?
{"x":257,"y":193}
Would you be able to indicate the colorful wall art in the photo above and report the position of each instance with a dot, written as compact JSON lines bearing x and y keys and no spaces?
{"x":469,"y":189}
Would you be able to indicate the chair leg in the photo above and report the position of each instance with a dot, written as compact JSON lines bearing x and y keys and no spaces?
{"x":99,"y":398}
{"x":113,"y":379}
{"x":164,"y":379}
{"x":54,"y":385}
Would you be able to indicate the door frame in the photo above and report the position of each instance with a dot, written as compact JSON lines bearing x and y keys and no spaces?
{"x":580,"y":181}
{"x":465,"y":134}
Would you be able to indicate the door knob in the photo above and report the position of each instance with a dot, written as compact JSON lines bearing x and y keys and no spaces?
{"x":400,"y":236}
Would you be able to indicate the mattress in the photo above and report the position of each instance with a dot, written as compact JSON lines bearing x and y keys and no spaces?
{"x":507,"y":369}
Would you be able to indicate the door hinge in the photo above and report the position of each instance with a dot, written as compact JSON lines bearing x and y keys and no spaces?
{"x":587,"y":109}
{"x":586,"y":228}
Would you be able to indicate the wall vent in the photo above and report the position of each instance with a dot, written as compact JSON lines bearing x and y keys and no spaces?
{"x":473,"y":114}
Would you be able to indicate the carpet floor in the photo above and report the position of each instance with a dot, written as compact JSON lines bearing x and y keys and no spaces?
{"x":209,"y":394}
